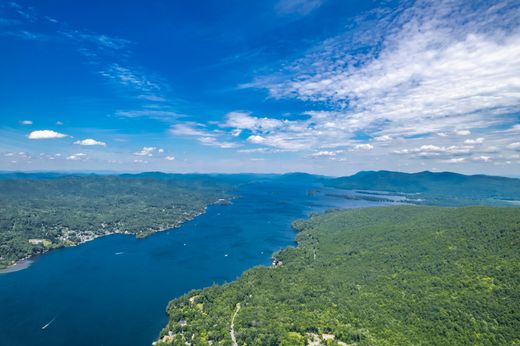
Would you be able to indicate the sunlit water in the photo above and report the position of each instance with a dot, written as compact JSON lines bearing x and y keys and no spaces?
{"x":114,"y":290}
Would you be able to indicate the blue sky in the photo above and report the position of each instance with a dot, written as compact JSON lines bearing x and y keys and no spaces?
{"x":321,"y":86}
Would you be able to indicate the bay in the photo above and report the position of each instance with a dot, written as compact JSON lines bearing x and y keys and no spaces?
{"x":114,"y":290}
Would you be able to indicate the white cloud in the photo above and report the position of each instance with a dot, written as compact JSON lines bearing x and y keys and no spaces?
{"x":26,"y":122}
{"x":482,"y":158}
{"x":169,"y":158}
{"x":455,"y":160}
{"x":463,"y":132}
{"x":430,"y":150}
{"x":90,"y":142}
{"x":363,"y":147}
{"x":479,"y":140}
{"x":131,"y":79}
{"x":160,"y":150}
{"x":188,"y":129}
{"x":242,"y":120}
{"x":257,"y":139}
{"x":327,"y":153}
{"x":236,"y":132}
{"x":76,"y":157}
{"x":45,"y":134}
{"x":146,"y":151}
{"x":514,"y":146}
{"x":212,"y":141}
{"x":384,"y":138}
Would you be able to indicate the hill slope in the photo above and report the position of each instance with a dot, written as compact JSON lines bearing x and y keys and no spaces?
{"x":403,"y":275}
{"x":44,"y":212}
{"x":438,"y":188}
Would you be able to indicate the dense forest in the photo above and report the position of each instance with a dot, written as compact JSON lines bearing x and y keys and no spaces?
{"x":444,"y":188}
{"x":41,"y":212}
{"x":399,"y":275}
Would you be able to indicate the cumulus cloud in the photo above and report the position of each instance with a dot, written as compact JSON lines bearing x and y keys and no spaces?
{"x":514,"y":146}
{"x":146,"y":151}
{"x":384,"y":138}
{"x":257,"y":139}
{"x":482,"y":158}
{"x":169,"y":158}
{"x":76,"y":157}
{"x":46,"y":134}
{"x":430,"y":150}
{"x":363,"y":147}
{"x":479,"y":140}
{"x":463,"y":132}
{"x":90,"y":142}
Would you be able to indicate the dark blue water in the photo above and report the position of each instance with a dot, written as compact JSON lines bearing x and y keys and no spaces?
{"x":114,"y":290}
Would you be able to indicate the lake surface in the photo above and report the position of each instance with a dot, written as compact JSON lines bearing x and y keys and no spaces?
{"x":114,"y":290}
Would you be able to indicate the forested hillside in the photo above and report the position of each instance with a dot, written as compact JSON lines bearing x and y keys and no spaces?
{"x":443,"y":188}
{"x":42,"y":213}
{"x":405,"y":275}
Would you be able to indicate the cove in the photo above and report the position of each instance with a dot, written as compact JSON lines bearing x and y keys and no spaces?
{"x":114,"y":290}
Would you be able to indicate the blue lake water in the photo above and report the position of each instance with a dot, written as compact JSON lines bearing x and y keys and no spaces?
{"x":114,"y":290}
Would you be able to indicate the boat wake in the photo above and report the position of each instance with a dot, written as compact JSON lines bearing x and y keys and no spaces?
{"x":49,"y":323}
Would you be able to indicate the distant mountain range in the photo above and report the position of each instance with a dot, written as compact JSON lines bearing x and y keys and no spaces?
{"x":430,"y":183}
{"x":437,"y":186}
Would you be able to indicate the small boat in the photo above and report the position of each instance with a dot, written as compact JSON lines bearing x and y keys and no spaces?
{"x":49,"y":323}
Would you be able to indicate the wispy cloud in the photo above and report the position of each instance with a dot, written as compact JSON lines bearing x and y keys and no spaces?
{"x":157,"y":114}
{"x":300,"y":7}
{"x":131,"y":79}
{"x":189,"y":129}
{"x":26,"y":122}
{"x":111,"y":56}
{"x":97,"y":40}
{"x":90,"y":142}
{"x":203,"y":135}
{"x":214,"y":142}
{"x":440,"y":65}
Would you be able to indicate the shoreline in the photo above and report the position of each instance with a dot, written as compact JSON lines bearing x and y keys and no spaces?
{"x":19,"y":265}
{"x":26,"y":262}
